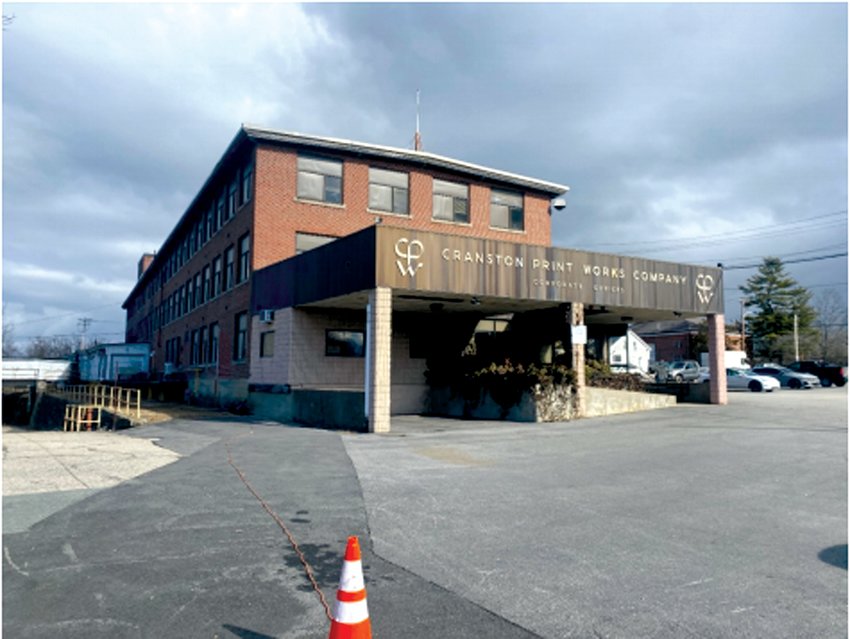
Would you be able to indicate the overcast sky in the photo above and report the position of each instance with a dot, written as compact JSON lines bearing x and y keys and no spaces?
{"x":693,"y":133}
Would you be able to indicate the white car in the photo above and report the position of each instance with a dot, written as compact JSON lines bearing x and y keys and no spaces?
{"x":742,"y":379}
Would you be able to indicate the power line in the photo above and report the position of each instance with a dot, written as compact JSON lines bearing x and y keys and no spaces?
{"x":53,"y":317}
{"x":817,"y":258}
{"x":74,"y":335}
{"x":728,"y":235}
{"x":836,"y":284}
{"x":782,"y":256}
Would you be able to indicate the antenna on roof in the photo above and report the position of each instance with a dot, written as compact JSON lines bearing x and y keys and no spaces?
{"x":417,"y":139}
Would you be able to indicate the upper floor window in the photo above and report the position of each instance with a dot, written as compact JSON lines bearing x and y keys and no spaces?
{"x":247,"y":184}
{"x":388,"y":191}
{"x":506,"y":211}
{"x":208,"y":290}
{"x":199,"y":292}
{"x":220,"y":215}
{"x":229,"y":256}
{"x":451,"y":201}
{"x":232,"y":192}
{"x":244,"y":258}
{"x":319,"y":179}
{"x":216,"y":276}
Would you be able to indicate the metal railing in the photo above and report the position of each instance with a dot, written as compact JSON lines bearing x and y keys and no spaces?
{"x":81,"y":417}
{"x":113,"y":398}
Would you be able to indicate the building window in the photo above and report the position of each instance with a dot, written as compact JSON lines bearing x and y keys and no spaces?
{"x":506,"y":211}
{"x":199,"y":291}
{"x":214,"y":337}
{"x":202,"y":348}
{"x":219,"y":207}
{"x":267,"y":344}
{"x":319,"y":179}
{"x":451,"y":201}
{"x":232,"y":192}
{"x":216,"y":276}
{"x":244,"y":258}
{"x":247,"y":184}
{"x":193,"y":357}
{"x":240,"y":336}
{"x":308,"y":241}
{"x":345,"y":343}
{"x":208,"y":283}
{"x":388,"y":191}
{"x":181,"y":301}
{"x":190,"y":296}
{"x":229,"y":255}
{"x":210,"y":225}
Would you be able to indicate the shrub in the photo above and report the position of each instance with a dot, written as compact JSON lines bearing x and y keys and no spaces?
{"x":505,"y":382}
{"x":597,"y":373}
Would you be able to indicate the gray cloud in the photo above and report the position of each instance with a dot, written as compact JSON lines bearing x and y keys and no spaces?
{"x":668,"y":121}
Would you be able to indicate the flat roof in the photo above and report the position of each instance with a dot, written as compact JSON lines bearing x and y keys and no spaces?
{"x":423,"y":158}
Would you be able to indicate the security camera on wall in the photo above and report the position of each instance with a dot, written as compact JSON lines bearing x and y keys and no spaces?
{"x":559,"y":204}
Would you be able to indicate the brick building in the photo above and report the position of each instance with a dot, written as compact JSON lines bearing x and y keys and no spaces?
{"x":273,"y":195}
{"x":315,"y":276}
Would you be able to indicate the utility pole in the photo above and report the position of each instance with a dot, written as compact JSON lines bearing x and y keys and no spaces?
{"x":83,"y":324}
{"x":796,"y":341}
{"x":744,"y":326}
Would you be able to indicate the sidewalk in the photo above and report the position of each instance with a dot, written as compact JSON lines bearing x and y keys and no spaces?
{"x":45,"y":471}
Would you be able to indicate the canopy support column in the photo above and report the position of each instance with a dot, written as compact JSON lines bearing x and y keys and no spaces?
{"x":717,"y":358}
{"x":379,"y":313}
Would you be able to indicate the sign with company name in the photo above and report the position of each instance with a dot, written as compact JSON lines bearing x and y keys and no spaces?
{"x":432,"y":262}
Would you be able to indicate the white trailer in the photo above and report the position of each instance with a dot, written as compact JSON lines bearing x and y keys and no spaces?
{"x":732,"y":359}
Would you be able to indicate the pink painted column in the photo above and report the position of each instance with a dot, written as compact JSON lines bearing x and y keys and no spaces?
{"x":716,"y":358}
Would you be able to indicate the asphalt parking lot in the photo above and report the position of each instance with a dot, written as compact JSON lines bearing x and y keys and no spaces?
{"x":692,"y":521}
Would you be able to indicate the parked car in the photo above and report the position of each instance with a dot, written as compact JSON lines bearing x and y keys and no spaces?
{"x":787,"y":377}
{"x":704,"y":374}
{"x":827,"y":373}
{"x":741,"y":379}
{"x":682,"y":371}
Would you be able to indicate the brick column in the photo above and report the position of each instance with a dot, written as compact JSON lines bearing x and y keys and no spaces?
{"x":378,"y":344}
{"x":716,"y":358}
{"x":576,"y":317}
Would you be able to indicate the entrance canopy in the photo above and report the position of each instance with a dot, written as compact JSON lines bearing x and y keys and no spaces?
{"x":459,"y":273}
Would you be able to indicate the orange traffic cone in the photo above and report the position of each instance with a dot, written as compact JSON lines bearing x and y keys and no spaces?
{"x":351,"y":614}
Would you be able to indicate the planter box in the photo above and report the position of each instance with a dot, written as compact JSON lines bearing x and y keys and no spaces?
{"x":554,"y":404}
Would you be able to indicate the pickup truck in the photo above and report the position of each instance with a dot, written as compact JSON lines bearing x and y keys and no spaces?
{"x":827,"y":373}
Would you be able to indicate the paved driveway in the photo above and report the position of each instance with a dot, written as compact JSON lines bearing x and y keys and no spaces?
{"x":690,"y":521}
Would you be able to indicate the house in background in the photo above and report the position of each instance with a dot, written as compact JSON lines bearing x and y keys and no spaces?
{"x":629,"y":351}
{"x":676,"y":340}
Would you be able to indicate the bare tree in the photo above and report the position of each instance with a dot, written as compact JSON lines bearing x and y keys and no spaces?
{"x":831,"y":324}
{"x":51,"y":347}
{"x":10,"y":349}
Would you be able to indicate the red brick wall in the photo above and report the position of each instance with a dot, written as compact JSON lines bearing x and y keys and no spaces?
{"x":279,"y":214}
{"x":274,"y":215}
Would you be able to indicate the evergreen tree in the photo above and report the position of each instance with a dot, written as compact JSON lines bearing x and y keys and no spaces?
{"x":777,"y":297}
